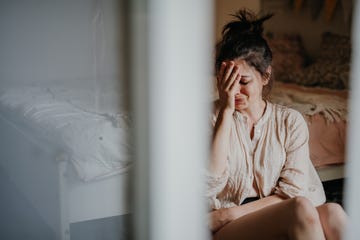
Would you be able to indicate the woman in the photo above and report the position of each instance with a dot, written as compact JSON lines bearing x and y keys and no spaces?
{"x":262,"y":184}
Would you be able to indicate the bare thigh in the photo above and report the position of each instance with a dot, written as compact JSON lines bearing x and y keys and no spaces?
{"x":271,"y":222}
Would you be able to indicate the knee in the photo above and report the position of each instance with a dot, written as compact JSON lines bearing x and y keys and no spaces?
{"x":334,"y":218}
{"x":334,"y":211}
{"x":305,"y":213}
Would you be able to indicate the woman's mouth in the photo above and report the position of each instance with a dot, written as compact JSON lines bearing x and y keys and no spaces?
{"x":240,"y":100}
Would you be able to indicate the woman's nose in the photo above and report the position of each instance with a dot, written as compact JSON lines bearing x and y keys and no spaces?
{"x":239,"y":89}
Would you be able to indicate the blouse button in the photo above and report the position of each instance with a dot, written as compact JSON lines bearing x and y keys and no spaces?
{"x":312,"y":189}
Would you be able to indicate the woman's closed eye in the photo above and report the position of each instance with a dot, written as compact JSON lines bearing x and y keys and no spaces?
{"x":244,"y":81}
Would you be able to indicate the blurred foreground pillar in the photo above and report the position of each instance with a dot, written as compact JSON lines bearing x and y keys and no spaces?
{"x":171,"y":52}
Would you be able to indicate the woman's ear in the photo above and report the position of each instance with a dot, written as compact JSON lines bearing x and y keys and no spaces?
{"x":267,"y":77}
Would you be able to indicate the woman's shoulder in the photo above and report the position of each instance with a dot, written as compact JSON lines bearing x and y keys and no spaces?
{"x":285,"y":113}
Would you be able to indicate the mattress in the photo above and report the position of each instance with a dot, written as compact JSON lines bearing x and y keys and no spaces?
{"x":95,"y":142}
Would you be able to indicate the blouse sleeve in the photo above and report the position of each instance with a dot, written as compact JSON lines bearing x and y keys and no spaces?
{"x":215,"y":184}
{"x":298,"y":176}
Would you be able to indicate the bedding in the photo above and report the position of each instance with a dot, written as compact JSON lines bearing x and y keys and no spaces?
{"x":325,"y":111}
{"x":95,"y":142}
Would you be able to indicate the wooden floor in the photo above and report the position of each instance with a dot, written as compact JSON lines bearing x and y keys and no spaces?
{"x":111,"y":228}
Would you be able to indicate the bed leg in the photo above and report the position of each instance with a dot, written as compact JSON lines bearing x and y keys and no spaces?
{"x":63,"y":195}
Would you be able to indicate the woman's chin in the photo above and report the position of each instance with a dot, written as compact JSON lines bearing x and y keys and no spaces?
{"x":240,"y":106}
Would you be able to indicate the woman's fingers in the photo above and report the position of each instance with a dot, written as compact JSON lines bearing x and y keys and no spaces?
{"x":236,"y":83}
{"x":230,"y":81}
{"x":228,"y":72}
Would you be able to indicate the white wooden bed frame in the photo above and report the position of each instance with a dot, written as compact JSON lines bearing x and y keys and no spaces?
{"x":328,"y":173}
{"x":47,"y":181}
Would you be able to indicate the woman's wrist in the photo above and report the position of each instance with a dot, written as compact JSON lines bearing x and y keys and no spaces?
{"x":220,"y":218}
{"x":227,"y":111}
{"x":226,"y":215}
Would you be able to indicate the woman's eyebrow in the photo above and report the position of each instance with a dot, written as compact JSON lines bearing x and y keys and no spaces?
{"x":245,"y":76}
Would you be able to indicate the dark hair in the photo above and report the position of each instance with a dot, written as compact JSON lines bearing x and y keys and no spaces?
{"x":243,"y":39}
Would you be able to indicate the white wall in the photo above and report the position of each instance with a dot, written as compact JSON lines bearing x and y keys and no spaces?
{"x":61,"y":43}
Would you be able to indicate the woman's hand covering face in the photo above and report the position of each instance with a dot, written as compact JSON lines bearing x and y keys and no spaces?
{"x":228,"y":84}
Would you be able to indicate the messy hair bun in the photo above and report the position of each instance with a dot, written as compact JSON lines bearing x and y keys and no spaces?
{"x":246,"y":23}
{"x":242,"y":38}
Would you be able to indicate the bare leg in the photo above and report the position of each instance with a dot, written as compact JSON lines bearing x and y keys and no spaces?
{"x":290,"y":219}
{"x":333,"y":220}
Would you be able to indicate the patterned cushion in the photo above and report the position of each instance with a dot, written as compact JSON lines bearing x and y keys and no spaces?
{"x":288,"y":53}
{"x":330,"y":70}
{"x":336,"y":48}
{"x":326,"y":74}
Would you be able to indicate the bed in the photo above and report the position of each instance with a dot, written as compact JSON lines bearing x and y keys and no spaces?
{"x":325,"y":112}
{"x":318,"y":88}
{"x":69,"y":161}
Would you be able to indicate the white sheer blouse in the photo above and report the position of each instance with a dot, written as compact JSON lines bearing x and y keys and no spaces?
{"x":277,"y":159}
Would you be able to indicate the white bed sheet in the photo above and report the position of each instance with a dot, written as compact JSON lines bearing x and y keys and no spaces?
{"x":96,"y":142}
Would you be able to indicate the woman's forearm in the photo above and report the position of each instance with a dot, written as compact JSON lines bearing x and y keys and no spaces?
{"x":221,"y":142}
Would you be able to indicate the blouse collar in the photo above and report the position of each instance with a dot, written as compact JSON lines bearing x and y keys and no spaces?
{"x":262,"y":120}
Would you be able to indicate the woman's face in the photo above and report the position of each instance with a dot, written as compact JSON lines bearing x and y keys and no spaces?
{"x":251,"y":86}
